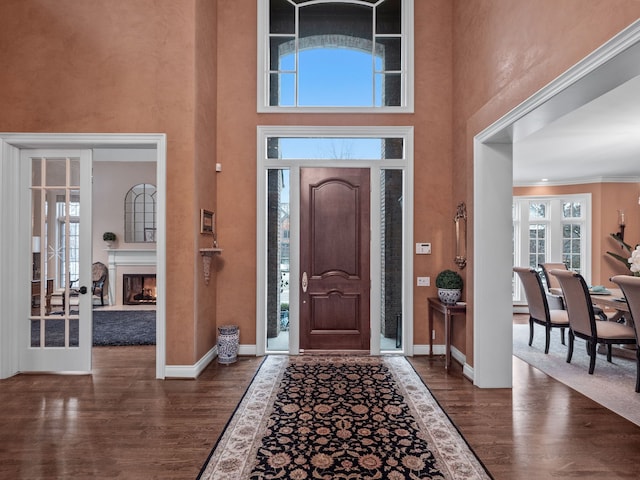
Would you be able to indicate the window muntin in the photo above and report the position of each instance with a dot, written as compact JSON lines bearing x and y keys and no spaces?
{"x":537,"y":244}
{"x":552,"y":229}
{"x":72,"y":219}
{"x":344,"y":54}
{"x":335,"y":148}
{"x":572,"y":246}
{"x":140,"y":214}
{"x":572,"y":235}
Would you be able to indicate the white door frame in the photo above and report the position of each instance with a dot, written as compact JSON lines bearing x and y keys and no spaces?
{"x":10,"y":146}
{"x":57,"y":360}
{"x":611,"y":65}
{"x":294,"y":214}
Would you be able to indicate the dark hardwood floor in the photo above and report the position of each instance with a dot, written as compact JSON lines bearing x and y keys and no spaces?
{"x":122,"y":423}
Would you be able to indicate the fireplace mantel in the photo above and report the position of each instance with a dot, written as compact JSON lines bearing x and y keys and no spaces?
{"x":120,"y":257}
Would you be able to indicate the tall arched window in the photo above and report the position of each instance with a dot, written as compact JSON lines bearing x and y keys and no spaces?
{"x":345,"y":54}
{"x":140,"y":214}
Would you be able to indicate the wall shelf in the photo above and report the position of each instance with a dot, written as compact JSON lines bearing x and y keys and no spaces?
{"x":207,"y":254}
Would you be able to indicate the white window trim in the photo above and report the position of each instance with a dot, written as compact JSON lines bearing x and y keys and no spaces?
{"x":554,"y":221}
{"x":407,"y":59}
{"x":406,"y":164}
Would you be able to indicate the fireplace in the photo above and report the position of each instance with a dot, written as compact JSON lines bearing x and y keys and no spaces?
{"x":139,"y":289}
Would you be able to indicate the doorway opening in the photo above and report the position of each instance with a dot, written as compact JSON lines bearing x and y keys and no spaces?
{"x":283,"y":228}
{"x":15,"y":275}
{"x":606,"y":68}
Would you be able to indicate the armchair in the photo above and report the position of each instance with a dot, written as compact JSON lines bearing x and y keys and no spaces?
{"x":100,"y":280}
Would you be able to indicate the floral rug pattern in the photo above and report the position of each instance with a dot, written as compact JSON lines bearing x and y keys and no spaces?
{"x":314,"y":417}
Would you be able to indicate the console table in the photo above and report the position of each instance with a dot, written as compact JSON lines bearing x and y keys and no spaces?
{"x":448,"y":312}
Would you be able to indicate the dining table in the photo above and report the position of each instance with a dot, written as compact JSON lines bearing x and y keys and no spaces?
{"x":611,"y":299}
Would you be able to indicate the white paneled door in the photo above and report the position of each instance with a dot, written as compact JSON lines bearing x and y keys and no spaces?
{"x":55,"y":332}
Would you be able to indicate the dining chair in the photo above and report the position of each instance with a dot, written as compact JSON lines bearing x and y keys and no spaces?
{"x":539,"y":311}
{"x":582,"y":320}
{"x":630,"y":287}
{"x":554,"y":291}
{"x":553,"y":286}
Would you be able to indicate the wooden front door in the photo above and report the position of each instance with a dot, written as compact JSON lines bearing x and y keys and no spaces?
{"x":334,"y":259}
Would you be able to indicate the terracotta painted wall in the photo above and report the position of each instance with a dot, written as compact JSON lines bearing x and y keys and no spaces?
{"x":607,"y":199}
{"x":204,"y":173}
{"x":133,"y":66}
{"x":123,"y":66}
{"x":236,"y":150}
{"x":506,"y":50}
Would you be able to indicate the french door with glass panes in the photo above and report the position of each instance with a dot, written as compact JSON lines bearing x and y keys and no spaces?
{"x":55,"y":333}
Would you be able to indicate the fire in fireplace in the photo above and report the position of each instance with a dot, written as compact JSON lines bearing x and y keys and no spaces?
{"x":139,"y":289}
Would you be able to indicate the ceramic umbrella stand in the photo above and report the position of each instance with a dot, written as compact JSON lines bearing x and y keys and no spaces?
{"x":228,"y":342}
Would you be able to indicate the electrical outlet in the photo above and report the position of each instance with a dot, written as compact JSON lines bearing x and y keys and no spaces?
{"x":424,"y":281}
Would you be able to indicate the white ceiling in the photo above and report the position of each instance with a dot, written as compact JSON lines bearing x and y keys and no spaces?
{"x":597,"y":142}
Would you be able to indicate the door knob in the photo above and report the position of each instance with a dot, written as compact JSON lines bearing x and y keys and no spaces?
{"x":305,"y":282}
{"x":83,"y":290}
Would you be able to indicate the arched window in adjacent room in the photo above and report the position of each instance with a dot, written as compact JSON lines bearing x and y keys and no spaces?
{"x":140,"y":214}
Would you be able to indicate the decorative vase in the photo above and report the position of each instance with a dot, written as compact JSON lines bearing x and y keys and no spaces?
{"x":228,"y":343}
{"x":449,"y":296}
{"x":109,"y":243}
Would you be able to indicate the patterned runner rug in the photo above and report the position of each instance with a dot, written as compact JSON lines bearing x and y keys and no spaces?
{"x":315,"y":417}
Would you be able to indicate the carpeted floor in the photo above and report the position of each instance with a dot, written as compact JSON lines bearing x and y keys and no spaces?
{"x":124,"y":327}
{"x":340,"y":417}
{"x":611,"y":385}
{"x":110,"y":328}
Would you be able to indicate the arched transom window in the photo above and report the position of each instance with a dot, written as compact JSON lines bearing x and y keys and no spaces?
{"x":342,"y":54}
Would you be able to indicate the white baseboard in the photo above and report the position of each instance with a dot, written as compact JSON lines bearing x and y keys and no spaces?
{"x":247,"y":350}
{"x":467,"y":371}
{"x":424,"y":350}
{"x":193,"y":371}
{"x":457,"y":355}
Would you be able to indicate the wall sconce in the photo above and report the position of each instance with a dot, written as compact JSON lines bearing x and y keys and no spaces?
{"x":460,"y":221}
{"x":621,"y":224}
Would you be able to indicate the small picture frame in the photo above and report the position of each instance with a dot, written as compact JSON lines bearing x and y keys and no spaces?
{"x":207,"y":222}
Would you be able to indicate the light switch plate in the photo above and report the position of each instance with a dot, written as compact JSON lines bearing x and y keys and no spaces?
{"x":423,"y":248}
{"x":424,"y":281}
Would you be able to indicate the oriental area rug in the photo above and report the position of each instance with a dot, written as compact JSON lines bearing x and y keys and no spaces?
{"x":340,"y":417}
